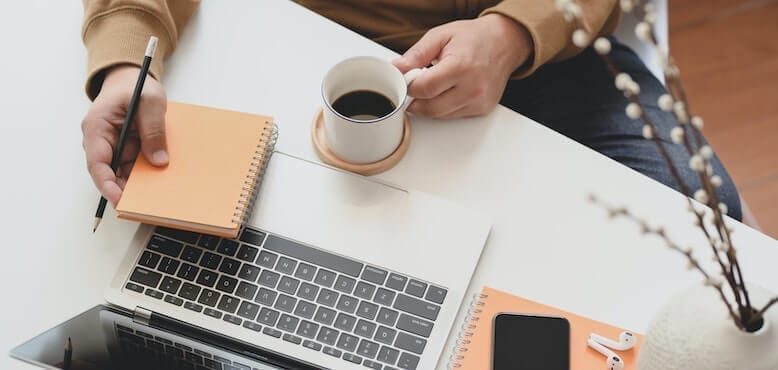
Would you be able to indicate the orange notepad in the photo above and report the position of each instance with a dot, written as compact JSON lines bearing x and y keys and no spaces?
{"x":216,"y":162}
{"x":475,"y":351}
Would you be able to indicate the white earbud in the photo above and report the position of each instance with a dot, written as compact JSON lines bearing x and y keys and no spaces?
{"x":626,"y":341}
{"x":613,"y":361}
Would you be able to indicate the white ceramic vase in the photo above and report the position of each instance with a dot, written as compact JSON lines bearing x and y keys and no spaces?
{"x":694,"y":331}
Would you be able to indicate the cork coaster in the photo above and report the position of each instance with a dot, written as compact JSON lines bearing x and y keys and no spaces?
{"x":367,"y":169}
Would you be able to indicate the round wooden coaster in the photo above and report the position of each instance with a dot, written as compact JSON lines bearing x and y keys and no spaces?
{"x":367,"y":169}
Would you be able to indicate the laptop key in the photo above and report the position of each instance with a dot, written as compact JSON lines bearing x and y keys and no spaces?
{"x":325,"y":278}
{"x":408,"y":361}
{"x":415,"y":325}
{"x":228,"y":247}
{"x":211,"y":364}
{"x":305,"y":309}
{"x":345,"y":322}
{"x":252,"y":236}
{"x":436,"y":294}
{"x":154,"y":293}
{"x":209,"y":297}
{"x":365,"y":329}
{"x":252,"y":326}
{"x":267,"y":259}
{"x":269,"y":278}
{"x":396,"y":282}
{"x":417,"y":307}
{"x":232,"y":319}
{"x":174,"y":300}
{"x":168,"y":265}
{"x":347,"y":304}
{"x":145,"y":277}
{"x":246,"y":290}
{"x":212,"y":313}
{"x":292,"y":338}
{"x":387,"y":316}
{"x":266,"y":297}
{"x":374,"y":275}
{"x":384,"y":296}
{"x":371,"y":365}
{"x":352,"y":358}
{"x":345,"y":284}
{"x":367,"y":310}
{"x":170,"y":285}
{"x":388,"y":355}
{"x":248,"y":310}
{"x":286,"y":265}
{"x":324,"y":316}
{"x":193,"y":306}
{"x":188,"y":272}
{"x":313,"y":255}
{"x":134,"y":287}
{"x":347,"y":342}
{"x":385,"y":335}
{"x":227,"y":284}
{"x":410,"y":343}
{"x":249,"y":272}
{"x":332,"y":351}
{"x":327,"y":297}
{"x":268,"y":316}
{"x":184,"y":236}
{"x":308,"y":291}
{"x":327,"y":336}
{"x":164,"y":246}
{"x":307,"y":329}
{"x":247,"y":253}
{"x":416,"y":288}
{"x":189,"y":291}
{"x":229,"y":304}
{"x":271,"y":332}
{"x":149,"y":259}
{"x":312,"y":345}
{"x":229,"y":266}
{"x":288,"y":323}
{"x":305,"y":271}
{"x":367,"y":348}
{"x":288,"y":285}
{"x":285,"y":303}
{"x":210,"y":260}
{"x":207,"y":278}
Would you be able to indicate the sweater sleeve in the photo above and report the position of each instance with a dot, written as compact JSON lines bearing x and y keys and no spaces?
{"x":117,"y":31}
{"x":550,"y":32}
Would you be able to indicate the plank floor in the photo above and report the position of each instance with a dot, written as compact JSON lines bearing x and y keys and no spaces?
{"x":727,"y":51}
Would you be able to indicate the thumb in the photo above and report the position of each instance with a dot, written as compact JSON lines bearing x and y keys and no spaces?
{"x":426,"y":50}
{"x":151,"y":129}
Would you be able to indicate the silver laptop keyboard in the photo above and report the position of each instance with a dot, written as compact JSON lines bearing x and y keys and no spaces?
{"x":293,"y":292}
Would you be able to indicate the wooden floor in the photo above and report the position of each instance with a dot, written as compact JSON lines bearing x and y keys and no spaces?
{"x":727,"y":51}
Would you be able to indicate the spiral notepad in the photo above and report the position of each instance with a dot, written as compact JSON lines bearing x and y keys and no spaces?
{"x":473,"y":347}
{"x":217,"y":160}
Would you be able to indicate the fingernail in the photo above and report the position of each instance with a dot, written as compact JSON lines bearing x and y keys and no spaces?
{"x":159,"y":157}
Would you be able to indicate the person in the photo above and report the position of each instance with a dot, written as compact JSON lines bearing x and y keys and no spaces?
{"x":517,"y":53}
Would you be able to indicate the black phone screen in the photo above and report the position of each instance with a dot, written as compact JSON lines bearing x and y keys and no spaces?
{"x":530,"y":343}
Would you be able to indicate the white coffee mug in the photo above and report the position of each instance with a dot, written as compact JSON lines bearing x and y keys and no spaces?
{"x":364,"y":138}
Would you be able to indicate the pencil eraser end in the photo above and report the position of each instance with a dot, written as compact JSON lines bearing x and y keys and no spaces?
{"x":152,"y":46}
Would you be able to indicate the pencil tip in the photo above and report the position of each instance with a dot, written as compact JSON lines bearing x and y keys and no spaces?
{"x":97,"y":223}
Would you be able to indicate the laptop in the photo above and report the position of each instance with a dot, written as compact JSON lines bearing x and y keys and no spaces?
{"x":332,"y":271}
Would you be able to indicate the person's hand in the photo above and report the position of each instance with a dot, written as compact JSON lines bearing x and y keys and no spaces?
{"x":104,"y":121}
{"x":475,"y":59}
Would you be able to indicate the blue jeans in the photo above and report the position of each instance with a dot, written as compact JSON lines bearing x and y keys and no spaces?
{"x":578,"y":99}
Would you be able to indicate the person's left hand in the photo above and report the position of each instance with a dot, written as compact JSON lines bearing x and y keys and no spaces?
{"x":475,"y":59}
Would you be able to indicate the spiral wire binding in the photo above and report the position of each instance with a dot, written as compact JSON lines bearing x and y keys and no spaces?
{"x":255,"y":174}
{"x":462,"y":342}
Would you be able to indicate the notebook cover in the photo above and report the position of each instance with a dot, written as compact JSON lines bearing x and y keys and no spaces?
{"x":213,"y":153}
{"x":477,"y":353}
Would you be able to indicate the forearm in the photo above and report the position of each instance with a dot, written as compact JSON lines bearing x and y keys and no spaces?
{"x":116,"y":32}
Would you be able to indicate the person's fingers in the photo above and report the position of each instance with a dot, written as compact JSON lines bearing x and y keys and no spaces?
{"x":98,"y":159}
{"x":437,"y":79}
{"x":151,"y":128}
{"x":426,"y":50}
{"x":442,"y":105}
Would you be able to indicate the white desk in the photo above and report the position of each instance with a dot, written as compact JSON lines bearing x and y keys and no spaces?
{"x":548,"y":243}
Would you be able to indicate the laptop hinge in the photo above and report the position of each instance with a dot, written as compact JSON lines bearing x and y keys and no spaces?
{"x":141,"y":315}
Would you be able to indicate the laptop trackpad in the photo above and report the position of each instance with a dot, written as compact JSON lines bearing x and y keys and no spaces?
{"x":354,"y":216}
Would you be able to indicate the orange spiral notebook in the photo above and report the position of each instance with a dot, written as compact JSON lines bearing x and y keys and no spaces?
{"x":217,"y":159}
{"x":474,"y":346}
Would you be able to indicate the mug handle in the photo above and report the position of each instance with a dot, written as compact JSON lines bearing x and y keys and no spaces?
{"x":410,"y":76}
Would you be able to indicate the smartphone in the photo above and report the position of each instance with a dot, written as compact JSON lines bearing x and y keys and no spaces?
{"x":528,"y":342}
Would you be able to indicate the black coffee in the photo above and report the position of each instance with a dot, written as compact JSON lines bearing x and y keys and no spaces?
{"x":363,"y":105}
